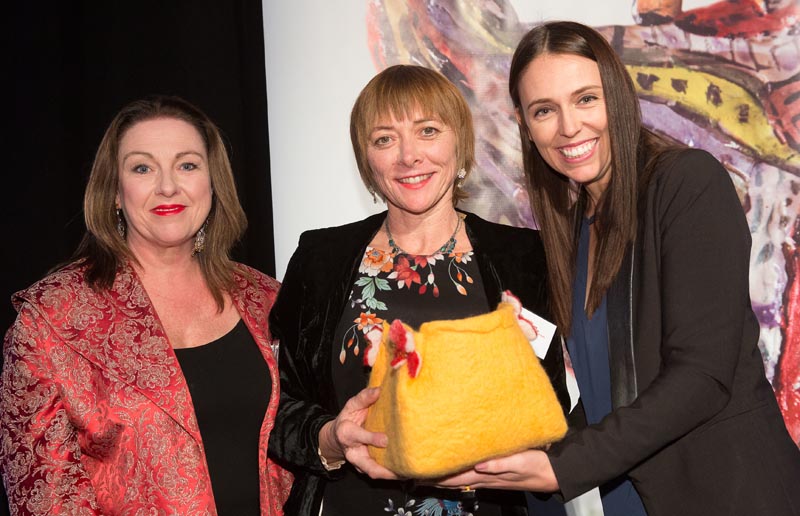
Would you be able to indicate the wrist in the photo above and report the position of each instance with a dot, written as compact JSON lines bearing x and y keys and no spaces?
{"x":329,"y":465}
{"x":329,"y":451}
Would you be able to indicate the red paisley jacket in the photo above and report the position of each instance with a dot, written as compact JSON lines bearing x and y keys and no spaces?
{"x":95,"y":414}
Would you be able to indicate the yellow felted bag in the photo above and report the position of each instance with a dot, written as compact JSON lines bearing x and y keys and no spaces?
{"x":458,"y":392}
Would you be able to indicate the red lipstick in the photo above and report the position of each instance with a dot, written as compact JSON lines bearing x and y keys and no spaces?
{"x":168,"y":209}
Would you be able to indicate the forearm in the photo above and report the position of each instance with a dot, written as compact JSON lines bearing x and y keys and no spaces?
{"x":665,"y":412}
{"x":329,"y":447}
{"x":296,"y":436}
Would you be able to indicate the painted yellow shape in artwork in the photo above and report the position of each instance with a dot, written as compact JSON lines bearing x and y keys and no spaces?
{"x":723,"y":103}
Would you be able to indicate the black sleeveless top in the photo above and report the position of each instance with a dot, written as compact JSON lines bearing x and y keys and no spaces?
{"x":230,"y":386}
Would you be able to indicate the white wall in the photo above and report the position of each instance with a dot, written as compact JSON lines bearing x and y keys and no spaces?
{"x":317,"y":61}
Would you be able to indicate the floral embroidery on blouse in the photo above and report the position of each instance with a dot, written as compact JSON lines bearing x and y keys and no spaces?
{"x":383,"y":271}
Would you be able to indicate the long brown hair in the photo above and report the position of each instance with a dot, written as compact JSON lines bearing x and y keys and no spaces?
{"x":554,"y":199}
{"x":397,"y":91}
{"x":102,"y":247}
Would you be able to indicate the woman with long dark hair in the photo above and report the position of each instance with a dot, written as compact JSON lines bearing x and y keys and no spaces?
{"x":648,"y":256}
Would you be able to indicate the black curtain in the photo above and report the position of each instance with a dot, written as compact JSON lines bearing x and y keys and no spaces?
{"x":74,"y":64}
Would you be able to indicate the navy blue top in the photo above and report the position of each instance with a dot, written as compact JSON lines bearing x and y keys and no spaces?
{"x":588,"y":350}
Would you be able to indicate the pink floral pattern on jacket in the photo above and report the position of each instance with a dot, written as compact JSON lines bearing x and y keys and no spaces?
{"x":95,"y":414}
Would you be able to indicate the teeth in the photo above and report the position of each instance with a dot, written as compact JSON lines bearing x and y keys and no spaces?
{"x":415,"y":179}
{"x":580,"y":150}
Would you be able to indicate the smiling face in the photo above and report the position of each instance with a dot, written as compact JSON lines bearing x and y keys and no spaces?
{"x":413,"y":162}
{"x":564,"y":109}
{"x":164,"y":184}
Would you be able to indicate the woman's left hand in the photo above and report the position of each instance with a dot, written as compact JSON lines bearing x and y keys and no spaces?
{"x":525,"y":471}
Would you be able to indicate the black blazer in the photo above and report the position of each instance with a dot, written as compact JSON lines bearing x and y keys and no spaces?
{"x":315,"y":290}
{"x":695,"y":423}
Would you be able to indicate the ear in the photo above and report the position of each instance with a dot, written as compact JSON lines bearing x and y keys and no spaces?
{"x":518,"y":116}
{"x":116,"y":202}
{"x":521,"y":123}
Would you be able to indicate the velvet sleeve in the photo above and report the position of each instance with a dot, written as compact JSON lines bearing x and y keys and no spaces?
{"x":39,"y":449}
{"x":699,"y":238}
{"x":295,"y":320}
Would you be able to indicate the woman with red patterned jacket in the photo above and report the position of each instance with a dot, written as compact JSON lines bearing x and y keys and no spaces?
{"x":139,"y":379}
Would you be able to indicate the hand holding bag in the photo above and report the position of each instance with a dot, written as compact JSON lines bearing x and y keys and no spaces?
{"x":458,"y":392}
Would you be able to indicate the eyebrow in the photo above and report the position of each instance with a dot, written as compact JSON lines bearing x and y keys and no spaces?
{"x":415,"y":122}
{"x":148,"y":155}
{"x":579,"y":91}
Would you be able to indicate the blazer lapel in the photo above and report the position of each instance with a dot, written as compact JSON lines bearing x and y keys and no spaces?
{"x":491,"y":282}
{"x":253,"y":302}
{"x":621,"y":351}
{"x":126,"y":339}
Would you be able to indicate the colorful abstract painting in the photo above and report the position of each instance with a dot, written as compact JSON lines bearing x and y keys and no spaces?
{"x":725,"y":78}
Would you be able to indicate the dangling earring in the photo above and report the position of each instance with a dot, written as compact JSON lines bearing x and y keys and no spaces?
{"x":461,"y":175}
{"x":200,"y":239}
{"x":372,"y":193}
{"x":120,"y":224}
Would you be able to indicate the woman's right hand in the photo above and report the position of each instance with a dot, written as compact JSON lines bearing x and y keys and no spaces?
{"x":346,"y":438}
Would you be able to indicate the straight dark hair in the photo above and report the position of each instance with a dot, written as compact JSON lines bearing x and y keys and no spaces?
{"x":104,"y":250}
{"x":556,"y":202}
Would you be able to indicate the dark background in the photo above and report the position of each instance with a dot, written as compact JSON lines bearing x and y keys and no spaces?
{"x":74,"y":65}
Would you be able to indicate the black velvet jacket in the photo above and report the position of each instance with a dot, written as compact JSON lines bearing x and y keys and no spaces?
{"x":315,"y":290}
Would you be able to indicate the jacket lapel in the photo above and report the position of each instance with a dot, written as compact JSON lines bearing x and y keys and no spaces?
{"x":621,"y":352}
{"x":491,"y":282}
{"x":253,"y":302}
{"x":119,"y":332}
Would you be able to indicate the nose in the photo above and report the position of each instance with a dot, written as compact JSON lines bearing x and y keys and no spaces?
{"x":167,"y":185}
{"x":410,"y":153}
{"x":570,"y":122}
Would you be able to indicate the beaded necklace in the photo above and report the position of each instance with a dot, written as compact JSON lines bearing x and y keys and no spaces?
{"x":446,"y":248}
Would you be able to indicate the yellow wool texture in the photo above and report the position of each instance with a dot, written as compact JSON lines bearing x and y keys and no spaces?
{"x":480,"y":393}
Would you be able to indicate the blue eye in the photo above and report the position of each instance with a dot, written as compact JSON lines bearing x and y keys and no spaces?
{"x":141,"y":169}
{"x":188,"y":166}
{"x":382,"y":140}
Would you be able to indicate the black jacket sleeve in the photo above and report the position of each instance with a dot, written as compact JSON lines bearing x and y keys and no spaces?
{"x":294,"y":321}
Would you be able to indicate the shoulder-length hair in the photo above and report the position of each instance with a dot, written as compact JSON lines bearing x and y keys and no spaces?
{"x":557,"y":203}
{"x":398,"y":91}
{"x":103,"y":250}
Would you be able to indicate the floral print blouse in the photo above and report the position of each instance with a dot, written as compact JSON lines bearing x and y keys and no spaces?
{"x":414,"y":289}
